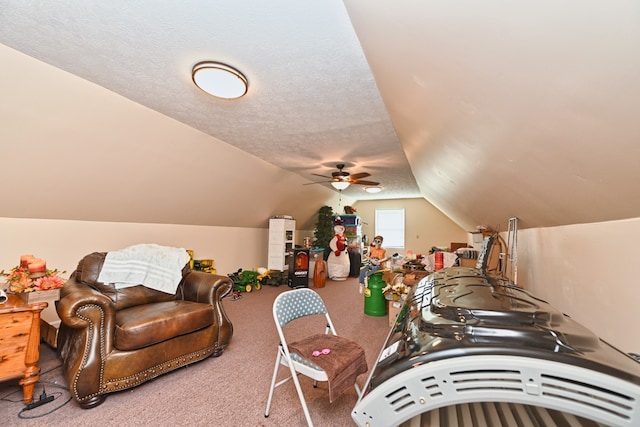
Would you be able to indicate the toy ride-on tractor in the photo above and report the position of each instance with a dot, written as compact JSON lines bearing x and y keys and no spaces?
{"x":245,"y":280}
{"x":272,"y":277}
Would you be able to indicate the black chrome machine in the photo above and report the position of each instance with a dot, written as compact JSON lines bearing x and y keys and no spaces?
{"x":465,"y":340}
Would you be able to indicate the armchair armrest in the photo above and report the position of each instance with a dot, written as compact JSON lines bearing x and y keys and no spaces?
{"x":74,"y":297}
{"x":209,"y":288}
{"x":205,"y":287}
{"x":85,"y":337}
{"x":83,"y":308}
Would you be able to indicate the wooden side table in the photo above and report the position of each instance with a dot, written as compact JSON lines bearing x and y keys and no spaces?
{"x":20,"y":343}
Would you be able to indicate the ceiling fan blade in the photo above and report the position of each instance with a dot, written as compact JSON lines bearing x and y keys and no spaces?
{"x":323,"y":176}
{"x":357,"y":176}
{"x":362,"y":182}
{"x":343,"y":176}
{"x":317,"y":182}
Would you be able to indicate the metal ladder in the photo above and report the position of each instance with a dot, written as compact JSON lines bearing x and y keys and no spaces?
{"x":510,"y":268}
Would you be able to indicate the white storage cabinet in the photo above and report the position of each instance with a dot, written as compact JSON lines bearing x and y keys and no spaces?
{"x":282,"y":234}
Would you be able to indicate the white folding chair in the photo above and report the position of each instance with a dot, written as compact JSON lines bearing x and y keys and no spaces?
{"x":288,"y":306}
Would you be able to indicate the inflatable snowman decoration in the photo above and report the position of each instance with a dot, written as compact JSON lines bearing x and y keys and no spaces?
{"x":338,"y":264}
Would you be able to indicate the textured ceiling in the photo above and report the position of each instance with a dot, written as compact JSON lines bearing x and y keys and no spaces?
{"x":309,"y":83}
{"x":487,"y":109}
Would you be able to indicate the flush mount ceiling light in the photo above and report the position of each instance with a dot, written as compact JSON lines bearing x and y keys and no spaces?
{"x":373,"y":190}
{"x":219,"y":80}
{"x":340,"y":185}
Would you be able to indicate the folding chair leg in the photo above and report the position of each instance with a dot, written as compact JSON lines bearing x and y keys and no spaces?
{"x":294,"y":375}
{"x":273,"y":383}
{"x":358,"y":391}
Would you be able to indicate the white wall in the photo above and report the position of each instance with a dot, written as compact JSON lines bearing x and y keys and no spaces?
{"x":63,"y":243}
{"x":588,"y":271}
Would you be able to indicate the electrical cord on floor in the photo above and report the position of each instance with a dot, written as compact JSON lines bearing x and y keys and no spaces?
{"x":18,"y":389}
{"x":5,"y":398}
{"x":44,"y":399}
{"x":52,"y":369}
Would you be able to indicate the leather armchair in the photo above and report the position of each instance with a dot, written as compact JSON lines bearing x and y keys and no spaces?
{"x":114,"y":339}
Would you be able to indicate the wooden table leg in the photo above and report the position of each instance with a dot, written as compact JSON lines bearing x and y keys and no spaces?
{"x":32,"y":356}
{"x":28,"y":382}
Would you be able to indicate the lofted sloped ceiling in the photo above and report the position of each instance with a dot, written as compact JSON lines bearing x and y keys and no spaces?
{"x":487,"y":109}
{"x":512,"y":108}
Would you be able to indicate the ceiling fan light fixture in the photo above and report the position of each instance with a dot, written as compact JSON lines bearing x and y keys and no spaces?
{"x":340,"y":185}
{"x":219,"y":80}
{"x":373,"y":190}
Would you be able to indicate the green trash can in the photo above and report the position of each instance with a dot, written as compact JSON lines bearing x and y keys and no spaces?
{"x":374,"y":302}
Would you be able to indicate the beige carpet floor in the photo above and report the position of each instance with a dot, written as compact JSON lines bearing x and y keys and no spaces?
{"x":230,"y":390}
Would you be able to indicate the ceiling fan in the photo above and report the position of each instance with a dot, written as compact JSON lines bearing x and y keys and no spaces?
{"x":341,"y":179}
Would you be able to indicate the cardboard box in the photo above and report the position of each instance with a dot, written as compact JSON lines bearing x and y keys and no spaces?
{"x":49,"y":320}
{"x":468,"y":262}
{"x":389,"y":277}
{"x":415,"y":275}
{"x":453,"y":246}
{"x":49,"y":332}
{"x":49,"y":314}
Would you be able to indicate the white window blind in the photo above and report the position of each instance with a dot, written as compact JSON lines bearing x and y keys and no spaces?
{"x":390,"y":225}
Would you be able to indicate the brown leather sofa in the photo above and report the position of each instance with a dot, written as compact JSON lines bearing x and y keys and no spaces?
{"x":114,"y":339}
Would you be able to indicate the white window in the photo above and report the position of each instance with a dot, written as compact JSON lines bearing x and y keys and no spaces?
{"x":390,"y":225}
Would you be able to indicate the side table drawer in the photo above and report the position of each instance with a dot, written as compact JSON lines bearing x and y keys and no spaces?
{"x":15,"y":329}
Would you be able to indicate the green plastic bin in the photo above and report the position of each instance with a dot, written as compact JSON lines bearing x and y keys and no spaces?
{"x":375,"y":303}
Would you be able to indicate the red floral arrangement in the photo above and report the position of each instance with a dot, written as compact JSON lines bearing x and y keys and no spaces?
{"x":32,"y":276}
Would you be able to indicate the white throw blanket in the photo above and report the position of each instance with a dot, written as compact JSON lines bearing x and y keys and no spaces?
{"x":154,"y":266}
